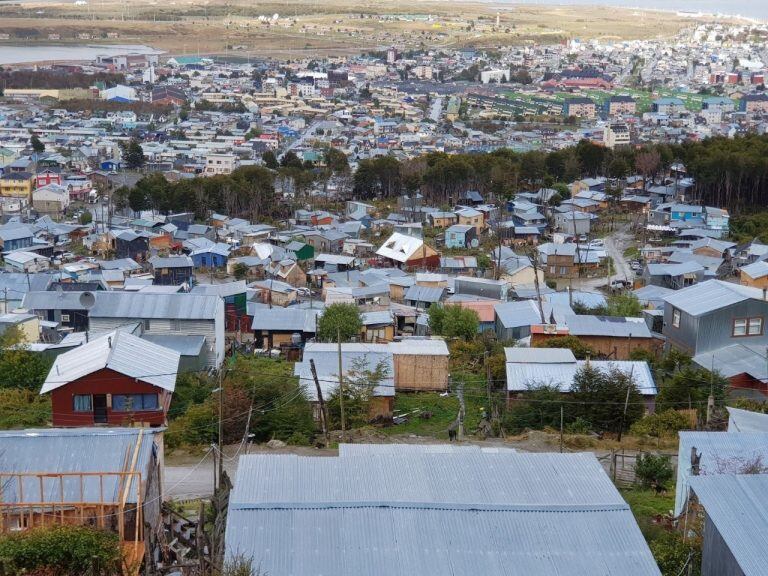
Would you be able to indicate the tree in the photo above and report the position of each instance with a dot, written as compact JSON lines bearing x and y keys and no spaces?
{"x":653,"y":470}
{"x":626,"y":305}
{"x":360,"y":381}
{"x":661,"y":424}
{"x":20,"y":368}
{"x":270,"y":160}
{"x":579,"y":349}
{"x":453,"y":321}
{"x":85,"y":218}
{"x":240,"y":271}
{"x":291,"y":160}
{"x":37,"y":146}
{"x":339,"y":320}
{"x":600,"y":398}
{"x":538,"y":408}
{"x":336,"y":161}
{"x":133,"y":154}
{"x":690,"y":388}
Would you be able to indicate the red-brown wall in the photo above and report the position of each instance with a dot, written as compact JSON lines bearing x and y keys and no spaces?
{"x":106,"y":381}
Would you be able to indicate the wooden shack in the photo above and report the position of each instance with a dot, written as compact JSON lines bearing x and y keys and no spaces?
{"x":421,"y":364}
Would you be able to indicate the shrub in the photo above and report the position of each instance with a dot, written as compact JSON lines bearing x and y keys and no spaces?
{"x":674,"y":555}
{"x":61,"y":550}
{"x":653,"y":470}
{"x":297,"y":439}
{"x":660,"y":424}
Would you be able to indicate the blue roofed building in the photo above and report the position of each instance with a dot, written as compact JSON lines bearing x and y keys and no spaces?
{"x":433,"y":513}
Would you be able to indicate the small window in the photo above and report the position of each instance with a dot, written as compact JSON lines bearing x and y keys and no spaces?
{"x":755,"y":326}
{"x":147,"y":325}
{"x":175,"y":325}
{"x":134,"y":402}
{"x":82,"y":403}
{"x":740,"y":327}
{"x":676,"y":318}
{"x":65,"y":317}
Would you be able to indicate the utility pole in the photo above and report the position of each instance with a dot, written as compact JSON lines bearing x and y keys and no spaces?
{"x":221,"y":428}
{"x":341,"y":387}
{"x":626,"y":402}
{"x":323,"y":413}
{"x":561,"y":428}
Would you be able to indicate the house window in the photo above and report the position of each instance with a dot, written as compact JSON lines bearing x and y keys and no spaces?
{"x":134,"y":402}
{"x":747,"y":326}
{"x":147,"y":325}
{"x":82,"y":403}
{"x":675,"y":318}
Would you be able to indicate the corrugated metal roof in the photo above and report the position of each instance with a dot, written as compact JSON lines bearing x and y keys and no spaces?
{"x":417,"y":293}
{"x":377,"y":317}
{"x":522,"y":375}
{"x":346,"y":450}
{"x":540,"y":355}
{"x":171,"y":262}
{"x":53,"y":300}
{"x":400,"y":247}
{"x":746,"y":421}
{"x":222,"y":290}
{"x":711,"y":295}
{"x":738,"y":508}
{"x":327,"y":366}
{"x":284,"y":319}
{"x":721,"y":453}
{"x":118,"y":351}
{"x":756,"y":270}
{"x":460,"y":513}
{"x":616,"y":326}
{"x":734,"y":360}
{"x":138,"y":305}
{"x":72,"y":450}
{"x":184,"y":345}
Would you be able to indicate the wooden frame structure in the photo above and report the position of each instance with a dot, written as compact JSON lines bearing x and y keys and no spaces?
{"x":114,"y":513}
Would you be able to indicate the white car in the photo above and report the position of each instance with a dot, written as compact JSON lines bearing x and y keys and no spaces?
{"x":598,"y":243}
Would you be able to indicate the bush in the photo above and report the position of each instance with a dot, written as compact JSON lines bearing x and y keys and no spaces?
{"x":579,"y":426}
{"x":674,"y":555}
{"x":297,"y":439}
{"x":579,"y":349}
{"x":660,"y":424}
{"x":653,"y":470}
{"x":61,"y":550}
{"x":23,"y":409}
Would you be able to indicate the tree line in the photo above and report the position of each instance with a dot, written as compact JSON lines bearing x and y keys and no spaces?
{"x":729,"y":172}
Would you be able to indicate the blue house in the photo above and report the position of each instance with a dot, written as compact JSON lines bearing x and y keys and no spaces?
{"x":109,"y":165}
{"x":685,"y":213}
{"x":460,"y":236}
{"x":214,"y":256}
{"x":15,"y":238}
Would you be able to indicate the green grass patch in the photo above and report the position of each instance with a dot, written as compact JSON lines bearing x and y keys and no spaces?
{"x":646,"y":505}
{"x":443,"y":410}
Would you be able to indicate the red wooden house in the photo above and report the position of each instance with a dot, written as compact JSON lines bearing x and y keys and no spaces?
{"x":114,"y":380}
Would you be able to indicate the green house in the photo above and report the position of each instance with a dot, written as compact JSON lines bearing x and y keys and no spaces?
{"x":301,"y":250}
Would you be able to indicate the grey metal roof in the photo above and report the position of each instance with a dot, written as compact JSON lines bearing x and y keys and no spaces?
{"x":738,"y":508}
{"x":286,"y":319}
{"x":711,"y":295}
{"x":461,"y":513}
{"x":616,"y":326}
{"x":184,"y":345}
{"x":674,"y":269}
{"x":142,"y":305}
{"x":223,"y":290}
{"x":417,"y":293}
{"x":540,"y":355}
{"x":377,"y":317}
{"x":72,"y":450}
{"x":721,"y":453}
{"x":327,"y":366}
{"x":53,"y":300}
{"x":735,"y":359}
{"x":517,"y":314}
{"x":347,"y":450}
{"x":119,"y":351}
{"x":521,"y":376}
{"x":746,"y":421}
{"x":171,"y":262}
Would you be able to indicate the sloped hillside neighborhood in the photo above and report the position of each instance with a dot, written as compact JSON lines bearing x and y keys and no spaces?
{"x":355,"y":316}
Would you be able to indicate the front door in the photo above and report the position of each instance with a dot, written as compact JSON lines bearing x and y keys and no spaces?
{"x":99,"y":408}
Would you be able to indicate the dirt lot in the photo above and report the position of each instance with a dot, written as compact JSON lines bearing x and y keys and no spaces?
{"x":314,"y":28}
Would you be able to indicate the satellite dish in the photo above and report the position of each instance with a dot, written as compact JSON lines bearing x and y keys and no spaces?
{"x":87,"y":300}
